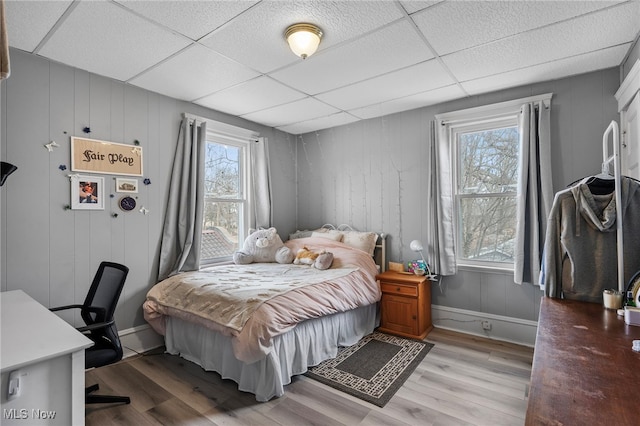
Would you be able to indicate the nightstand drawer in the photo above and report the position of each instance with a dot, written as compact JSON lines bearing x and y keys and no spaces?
{"x":393,"y":288}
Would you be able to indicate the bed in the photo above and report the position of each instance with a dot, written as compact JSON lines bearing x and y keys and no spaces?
{"x":263,"y":323}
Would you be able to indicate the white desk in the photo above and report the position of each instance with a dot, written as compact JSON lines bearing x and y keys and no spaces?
{"x":49,"y":355}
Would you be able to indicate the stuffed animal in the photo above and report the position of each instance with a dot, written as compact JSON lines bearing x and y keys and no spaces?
{"x":263,"y":246}
{"x":322,"y":260}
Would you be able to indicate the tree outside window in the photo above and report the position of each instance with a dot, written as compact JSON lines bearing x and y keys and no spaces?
{"x":486,"y":163}
{"x":225,"y":200}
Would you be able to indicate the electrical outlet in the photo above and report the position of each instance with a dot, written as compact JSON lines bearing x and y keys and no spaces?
{"x":486,"y":325}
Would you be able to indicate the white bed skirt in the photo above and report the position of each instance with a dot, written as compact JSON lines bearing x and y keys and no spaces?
{"x":308,"y":344}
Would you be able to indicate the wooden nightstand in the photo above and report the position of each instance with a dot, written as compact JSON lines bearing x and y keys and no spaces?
{"x":405,"y":306}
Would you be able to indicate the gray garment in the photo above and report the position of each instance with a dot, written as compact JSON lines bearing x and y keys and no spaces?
{"x":580,"y":252}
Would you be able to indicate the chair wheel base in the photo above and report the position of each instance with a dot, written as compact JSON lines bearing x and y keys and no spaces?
{"x":103,"y":399}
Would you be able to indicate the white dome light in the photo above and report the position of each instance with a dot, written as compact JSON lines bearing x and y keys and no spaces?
{"x":303,"y":39}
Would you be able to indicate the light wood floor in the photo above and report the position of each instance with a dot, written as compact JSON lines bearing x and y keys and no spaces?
{"x":464,"y":380}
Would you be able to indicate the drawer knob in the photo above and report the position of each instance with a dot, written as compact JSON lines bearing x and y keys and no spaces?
{"x":398,"y":289}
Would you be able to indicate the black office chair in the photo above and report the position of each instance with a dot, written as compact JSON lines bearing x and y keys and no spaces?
{"x":97,"y":312}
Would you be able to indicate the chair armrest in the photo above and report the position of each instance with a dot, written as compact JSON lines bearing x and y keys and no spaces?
{"x":95,"y":309}
{"x":60,"y":308}
{"x":95,"y":326}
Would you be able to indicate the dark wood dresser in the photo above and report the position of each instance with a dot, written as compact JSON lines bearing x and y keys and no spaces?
{"x":584,"y":370}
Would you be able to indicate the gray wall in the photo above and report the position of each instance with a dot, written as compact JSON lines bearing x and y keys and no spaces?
{"x":52,"y":253}
{"x":367,"y":174}
{"x":371,"y":174}
{"x":630,"y":60}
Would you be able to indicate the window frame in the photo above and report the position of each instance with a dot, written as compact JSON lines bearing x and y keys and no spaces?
{"x":487,"y":115}
{"x":226,"y":134}
{"x":505,"y":121}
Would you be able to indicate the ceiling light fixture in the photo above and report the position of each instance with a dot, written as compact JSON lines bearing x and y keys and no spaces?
{"x":303,"y":39}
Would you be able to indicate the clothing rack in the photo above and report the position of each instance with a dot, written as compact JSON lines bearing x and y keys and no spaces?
{"x":614,"y":159}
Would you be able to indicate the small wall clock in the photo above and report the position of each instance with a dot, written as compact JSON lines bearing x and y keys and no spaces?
{"x":127,"y":203}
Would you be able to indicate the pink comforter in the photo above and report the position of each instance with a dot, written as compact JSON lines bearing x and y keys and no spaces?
{"x":282,"y":312}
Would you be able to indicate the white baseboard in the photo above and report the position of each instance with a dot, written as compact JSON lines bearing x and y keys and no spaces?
{"x":507,"y":329}
{"x":139,"y":339}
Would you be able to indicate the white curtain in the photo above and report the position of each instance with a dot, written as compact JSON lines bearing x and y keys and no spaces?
{"x":263,"y":210}
{"x":535,"y":190}
{"x":441,"y":238}
{"x":182,"y":232}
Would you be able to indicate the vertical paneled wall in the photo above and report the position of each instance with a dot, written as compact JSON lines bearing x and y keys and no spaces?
{"x":51,"y":252}
{"x":372,"y":174}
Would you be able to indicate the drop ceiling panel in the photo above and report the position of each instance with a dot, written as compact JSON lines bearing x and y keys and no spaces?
{"x":254,"y":95}
{"x":201,"y":71}
{"x":333,"y":120}
{"x":610,"y":27}
{"x":592,"y":61}
{"x":388,"y":49}
{"x":417,"y":78}
{"x":453,"y":26}
{"x":105,"y":39}
{"x":256,"y":38}
{"x":302,"y":110}
{"x":193,"y":19}
{"x":414,"y":6}
{"x":36,"y":16}
{"x":418,"y":100}
{"x":364,"y":68}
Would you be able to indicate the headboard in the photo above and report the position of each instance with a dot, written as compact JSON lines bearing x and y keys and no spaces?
{"x":380,"y":253}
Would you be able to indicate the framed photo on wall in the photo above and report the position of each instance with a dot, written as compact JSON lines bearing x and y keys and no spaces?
{"x":127,"y":185}
{"x":87,"y":193}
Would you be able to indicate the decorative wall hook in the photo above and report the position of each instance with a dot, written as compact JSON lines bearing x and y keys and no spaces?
{"x":51,"y":145}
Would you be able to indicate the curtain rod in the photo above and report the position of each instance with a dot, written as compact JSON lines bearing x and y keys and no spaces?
{"x":494,"y":111}
{"x":223,"y":129}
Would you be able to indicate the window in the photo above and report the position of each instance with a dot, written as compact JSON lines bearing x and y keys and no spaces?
{"x":227,"y":193}
{"x":478,"y":160}
{"x":485,"y":188}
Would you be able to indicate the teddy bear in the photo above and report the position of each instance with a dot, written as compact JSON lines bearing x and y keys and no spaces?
{"x":263,"y":246}
{"x":322,"y":260}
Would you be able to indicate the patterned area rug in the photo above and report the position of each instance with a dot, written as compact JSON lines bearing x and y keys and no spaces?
{"x":374,"y":368}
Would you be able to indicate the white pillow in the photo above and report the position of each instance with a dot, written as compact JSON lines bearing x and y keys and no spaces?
{"x":300,"y":234}
{"x":365,"y":241}
{"x":331,"y":235}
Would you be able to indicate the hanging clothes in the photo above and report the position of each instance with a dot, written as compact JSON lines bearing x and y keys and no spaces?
{"x":580,"y":253}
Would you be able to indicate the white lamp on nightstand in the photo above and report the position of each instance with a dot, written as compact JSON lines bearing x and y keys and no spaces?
{"x":416,"y":245}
